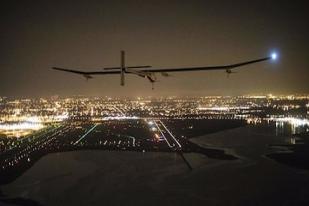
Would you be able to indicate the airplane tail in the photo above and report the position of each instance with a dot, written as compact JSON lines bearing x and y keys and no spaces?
{"x":122,"y":67}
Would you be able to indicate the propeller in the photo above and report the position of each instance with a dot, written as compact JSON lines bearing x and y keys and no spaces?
{"x":87,"y":76}
{"x":228,"y":72}
{"x":165,"y":74}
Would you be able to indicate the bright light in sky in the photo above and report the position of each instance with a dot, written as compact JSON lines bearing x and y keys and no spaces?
{"x":274,"y":56}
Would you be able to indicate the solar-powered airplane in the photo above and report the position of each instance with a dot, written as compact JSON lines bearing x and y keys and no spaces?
{"x":149,"y":73}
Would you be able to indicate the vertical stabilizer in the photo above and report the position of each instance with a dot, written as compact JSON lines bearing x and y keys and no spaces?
{"x":122,"y":67}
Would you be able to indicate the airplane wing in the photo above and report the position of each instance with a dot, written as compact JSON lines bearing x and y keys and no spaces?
{"x":146,"y":71}
{"x":223,"y":67}
{"x":116,"y":70}
{"x":88,"y":73}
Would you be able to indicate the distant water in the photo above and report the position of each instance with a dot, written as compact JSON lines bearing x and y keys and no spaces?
{"x":295,"y":150}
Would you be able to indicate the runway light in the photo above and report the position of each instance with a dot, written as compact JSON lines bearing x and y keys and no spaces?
{"x":274,"y":56}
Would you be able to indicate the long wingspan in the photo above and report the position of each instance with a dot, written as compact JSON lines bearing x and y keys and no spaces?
{"x":224,"y":67}
{"x":116,"y":70}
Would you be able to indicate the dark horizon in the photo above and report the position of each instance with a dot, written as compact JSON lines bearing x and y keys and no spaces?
{"x":38,"y":35}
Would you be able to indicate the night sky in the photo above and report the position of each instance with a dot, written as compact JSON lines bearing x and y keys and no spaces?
{"x":37,"y":35}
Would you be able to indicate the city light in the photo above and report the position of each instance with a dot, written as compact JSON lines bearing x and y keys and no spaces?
{"x":223,"y":108}
{"x":120,"y":118}
{"x":21,"y":126}
{"x":31,"y":126}
{"x":27,"y":115}
{"x":293,"y":121}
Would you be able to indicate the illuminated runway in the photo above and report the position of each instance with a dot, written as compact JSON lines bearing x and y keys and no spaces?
{"x":90,"y":130}
{"x":170,"y":139}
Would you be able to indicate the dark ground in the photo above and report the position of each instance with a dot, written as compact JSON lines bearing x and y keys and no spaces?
{"x":132,"y":178}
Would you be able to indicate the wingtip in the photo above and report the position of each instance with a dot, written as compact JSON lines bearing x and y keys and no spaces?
{"x":58,"y":68}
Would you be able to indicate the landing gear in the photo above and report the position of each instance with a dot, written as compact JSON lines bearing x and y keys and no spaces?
{"x":152,"y":79}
